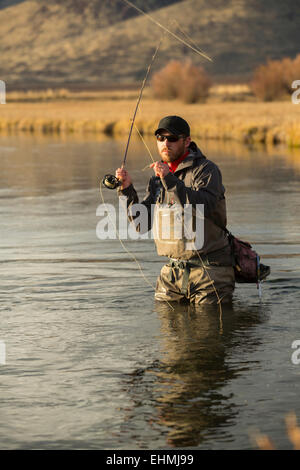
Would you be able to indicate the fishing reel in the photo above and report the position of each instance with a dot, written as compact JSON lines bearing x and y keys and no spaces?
{"x":111,"y":181}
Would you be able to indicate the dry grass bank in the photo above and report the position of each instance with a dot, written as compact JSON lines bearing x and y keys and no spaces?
{"x":110,"y":114}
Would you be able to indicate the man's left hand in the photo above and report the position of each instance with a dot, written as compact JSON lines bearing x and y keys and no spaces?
{"x":161,"y":169}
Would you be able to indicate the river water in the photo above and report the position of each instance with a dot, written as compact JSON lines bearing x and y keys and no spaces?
{"x":91,"y":360}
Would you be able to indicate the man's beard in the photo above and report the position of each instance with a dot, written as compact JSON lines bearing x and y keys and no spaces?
{"x":171,"y":157}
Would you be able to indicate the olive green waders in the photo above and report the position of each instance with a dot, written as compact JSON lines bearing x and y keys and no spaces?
{"x":195,"y":281}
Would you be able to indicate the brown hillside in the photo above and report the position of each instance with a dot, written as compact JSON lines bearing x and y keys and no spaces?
{"x":52,"y":44}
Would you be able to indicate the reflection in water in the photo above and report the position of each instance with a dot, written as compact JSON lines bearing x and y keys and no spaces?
{"x":259,"y":155}
{"x":186,"y":387}
{"x":40,"y":165}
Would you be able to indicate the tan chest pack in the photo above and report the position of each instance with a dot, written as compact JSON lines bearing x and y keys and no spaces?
{"x":178,"y":231}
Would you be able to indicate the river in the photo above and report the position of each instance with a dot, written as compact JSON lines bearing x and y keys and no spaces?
{"x":91,"y":360}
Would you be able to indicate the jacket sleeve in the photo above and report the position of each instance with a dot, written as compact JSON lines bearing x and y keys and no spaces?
{"x":132,"y":200}
{"x":206,"y":188}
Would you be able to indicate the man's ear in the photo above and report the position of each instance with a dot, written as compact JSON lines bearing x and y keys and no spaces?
{"x":187,"y":141}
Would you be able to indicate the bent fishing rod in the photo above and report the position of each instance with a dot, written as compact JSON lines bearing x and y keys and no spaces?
{"x":111,"y":181}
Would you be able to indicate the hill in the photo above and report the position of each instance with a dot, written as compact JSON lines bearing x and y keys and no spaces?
{"x":99,"y":42}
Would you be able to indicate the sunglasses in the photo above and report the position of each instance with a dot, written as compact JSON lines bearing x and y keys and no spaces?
{"x":169,"y":138}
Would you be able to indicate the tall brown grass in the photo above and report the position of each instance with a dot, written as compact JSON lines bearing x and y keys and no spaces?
{"x":250,"y":122}
{"x":181,"y":80}
{"x":272,"y":81}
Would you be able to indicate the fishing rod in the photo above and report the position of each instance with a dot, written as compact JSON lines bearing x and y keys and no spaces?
{"x":111,"y":181}
{"x":195,"y":49}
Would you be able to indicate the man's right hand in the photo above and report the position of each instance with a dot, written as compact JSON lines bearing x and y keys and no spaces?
{"x":124,"y":177}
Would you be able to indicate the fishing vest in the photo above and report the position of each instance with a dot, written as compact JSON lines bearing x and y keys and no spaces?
{"x":184,"y":232}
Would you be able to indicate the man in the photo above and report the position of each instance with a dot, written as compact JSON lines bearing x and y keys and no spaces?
{"x":185,"y":177}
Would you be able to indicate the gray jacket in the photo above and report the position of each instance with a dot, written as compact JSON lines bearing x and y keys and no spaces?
{"x":196,"y":180}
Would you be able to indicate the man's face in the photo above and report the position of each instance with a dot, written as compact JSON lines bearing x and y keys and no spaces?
{"x":170,"y":151}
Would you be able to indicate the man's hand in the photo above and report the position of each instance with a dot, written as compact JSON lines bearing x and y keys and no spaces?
{"x":124,"y":177}
{"x":160,"y":169}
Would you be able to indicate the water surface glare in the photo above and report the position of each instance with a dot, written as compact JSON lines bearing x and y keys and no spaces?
{"x":92,"y":361}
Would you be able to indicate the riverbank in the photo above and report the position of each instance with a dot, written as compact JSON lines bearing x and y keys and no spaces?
{"x":243,"y":121}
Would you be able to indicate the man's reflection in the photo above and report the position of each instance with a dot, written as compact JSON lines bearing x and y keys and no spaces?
{"x":183,"y":394}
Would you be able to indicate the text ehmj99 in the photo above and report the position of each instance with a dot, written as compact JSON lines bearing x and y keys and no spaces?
{"x":173,"y":459}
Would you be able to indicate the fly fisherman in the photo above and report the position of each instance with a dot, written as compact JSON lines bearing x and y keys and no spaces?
{"x":184,"y":176}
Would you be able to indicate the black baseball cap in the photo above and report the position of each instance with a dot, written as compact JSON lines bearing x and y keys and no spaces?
{"x":174,"y":124}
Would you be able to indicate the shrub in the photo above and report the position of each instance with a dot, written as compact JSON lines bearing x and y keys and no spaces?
{"x":166,"y":82}
{"x":273,"y":80}
{"x":296,"y":69}
{"x":181,"y":80}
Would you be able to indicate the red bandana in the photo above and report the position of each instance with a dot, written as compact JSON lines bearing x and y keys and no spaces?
{"x":173,"y":165}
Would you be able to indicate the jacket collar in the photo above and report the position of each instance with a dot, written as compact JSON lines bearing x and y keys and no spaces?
{"x":194,"y":153}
